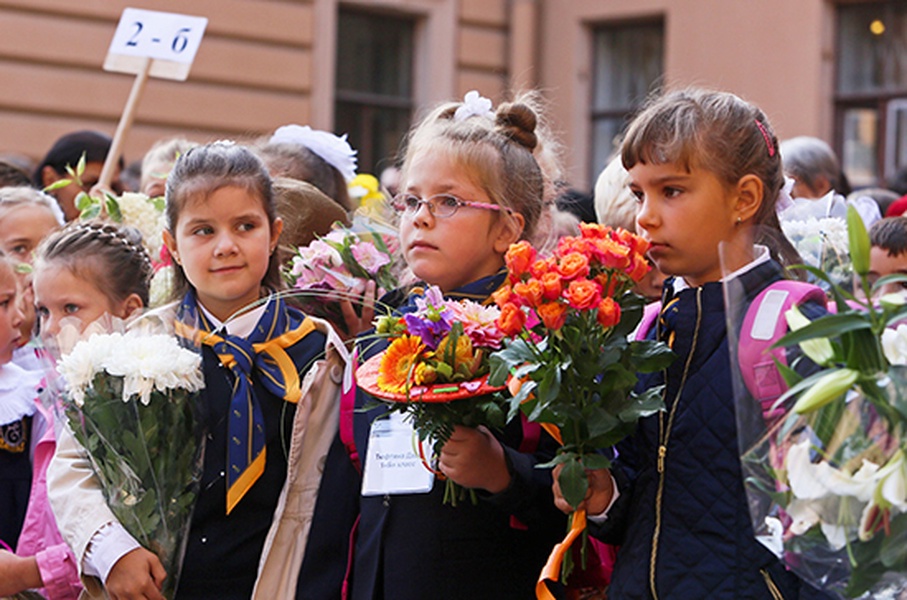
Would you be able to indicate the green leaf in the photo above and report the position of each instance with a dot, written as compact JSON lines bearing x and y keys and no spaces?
{"x":894,"y":547}
{"x":58,"y":184}
{"x":573,"y":482}
{"x":596,"y":461}
{"x":858,"y":239}
{"x":91,"y":212}
{"x":825,"y":327}
{"x":113,"y":208}
{"x":649,"y":356}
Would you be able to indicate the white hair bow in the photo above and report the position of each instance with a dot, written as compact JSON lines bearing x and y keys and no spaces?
{"x":474,"y":105}
{"x":335,"y":150}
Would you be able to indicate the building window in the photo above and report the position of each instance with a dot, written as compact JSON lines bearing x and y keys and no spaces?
{"x":374,"y":84}
{"x":628,"y":63}
{"x":871,"y":91}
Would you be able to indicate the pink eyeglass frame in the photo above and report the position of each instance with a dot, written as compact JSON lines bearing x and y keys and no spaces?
{"x":425,"y":201}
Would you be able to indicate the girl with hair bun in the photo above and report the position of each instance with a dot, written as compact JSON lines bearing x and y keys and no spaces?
{"x":471,"y":186}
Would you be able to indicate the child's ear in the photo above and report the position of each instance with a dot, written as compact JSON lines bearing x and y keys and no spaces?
{"x":170,"y":242}
{"x":49,"y":175}
{"x":749,"y":197}
{"x":276,"y":230}
{"x":131,"y":305}
{"x":510,"y":232}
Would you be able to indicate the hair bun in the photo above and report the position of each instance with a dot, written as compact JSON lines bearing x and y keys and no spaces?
{"x":517,"y":121}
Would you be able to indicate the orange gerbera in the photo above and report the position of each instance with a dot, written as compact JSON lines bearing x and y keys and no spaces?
{"x":397,"y":364}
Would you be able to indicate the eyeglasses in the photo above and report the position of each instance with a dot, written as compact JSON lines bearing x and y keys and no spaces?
{"x":441,"y":206}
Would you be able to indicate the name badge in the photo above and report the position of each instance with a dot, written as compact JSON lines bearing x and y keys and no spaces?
{"x":392,"y":465}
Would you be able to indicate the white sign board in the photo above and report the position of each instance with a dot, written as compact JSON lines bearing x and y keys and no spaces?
{"x":170,"y":40}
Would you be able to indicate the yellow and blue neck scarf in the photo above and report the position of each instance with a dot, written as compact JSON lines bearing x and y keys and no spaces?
{"x":264,"y":352}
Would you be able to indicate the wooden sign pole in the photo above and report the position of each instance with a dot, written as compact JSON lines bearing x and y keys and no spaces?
{"x":119,"y":138}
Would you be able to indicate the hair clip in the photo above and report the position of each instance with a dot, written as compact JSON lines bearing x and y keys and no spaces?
{"x":333,"y":149}
{"x":768,"y":138}
{"x":474,"y":105}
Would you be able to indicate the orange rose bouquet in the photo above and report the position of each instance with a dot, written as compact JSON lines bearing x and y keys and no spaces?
{"x":568,"y":319}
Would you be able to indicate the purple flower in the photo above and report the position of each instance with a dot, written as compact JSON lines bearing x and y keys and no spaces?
{"x":431,"y":331}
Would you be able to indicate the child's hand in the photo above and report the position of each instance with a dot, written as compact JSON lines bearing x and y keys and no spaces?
{"x":18,"y":573}
{"x":364,"y":296}
{"x":598,"y":496}
{"x":473,"y":458}
{"x":138,"y":575}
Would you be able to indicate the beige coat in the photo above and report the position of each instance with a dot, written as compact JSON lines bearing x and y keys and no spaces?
{"x":81,"y":511}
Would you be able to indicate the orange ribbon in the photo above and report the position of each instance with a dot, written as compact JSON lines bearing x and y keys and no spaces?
{"x":552,"y":569}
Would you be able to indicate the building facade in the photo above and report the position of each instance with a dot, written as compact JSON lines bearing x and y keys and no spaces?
{"x":836,"y":69}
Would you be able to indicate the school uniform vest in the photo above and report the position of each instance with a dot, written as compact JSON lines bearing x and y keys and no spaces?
{"x":223,"y":551}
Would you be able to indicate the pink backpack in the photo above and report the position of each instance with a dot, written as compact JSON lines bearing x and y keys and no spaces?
{"x":763,"y":325}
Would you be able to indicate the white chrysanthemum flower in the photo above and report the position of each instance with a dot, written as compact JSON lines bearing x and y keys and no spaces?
{"x":87,"y":359}
{"x":894,"y":345}
{"x":140,"y":212}
{"x":145,"y":362}
{"x":149,"y":362}
{"x":161,"y":287}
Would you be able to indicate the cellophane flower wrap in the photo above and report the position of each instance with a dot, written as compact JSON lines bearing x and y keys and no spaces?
{"x":435,"y":369}
{"x":337,"y":266}
{"x":568,"y":319}
{"x":130,"y":396}
{"x":824,"y":464}
{"x":818,"y":230}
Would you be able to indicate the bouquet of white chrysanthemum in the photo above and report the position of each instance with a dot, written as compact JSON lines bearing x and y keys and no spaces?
{"x":130,"y":399}
{"x":822,"y":243}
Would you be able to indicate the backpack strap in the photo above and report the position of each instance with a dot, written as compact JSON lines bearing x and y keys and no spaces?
{"x":763,"y":325}
{"x":347,"y":410}
{"x":649,"y":315}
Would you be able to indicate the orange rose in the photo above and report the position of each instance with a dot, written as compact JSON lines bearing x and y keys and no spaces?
{"x":542,"y":266}
{"x":511,"y":320}
{"x":608,"y":312}
{"x":609,"y":283}
{"x":573,"y":266}
{"x":570,"y":244}
{"x":638,"y":268}
{"x":518,"y":259}
{"x":551,"y":286}
{"x":611,"y":254}
{"x":635,"y":242}
{"x":594,"y":230}
{"x":583,"y":294}
{"x":530,"y":291}
{"x":503,"y":295}
{"x":552,"y":314}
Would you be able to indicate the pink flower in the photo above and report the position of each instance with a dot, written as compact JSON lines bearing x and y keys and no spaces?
{"x":369,"y":257}
{"x":479,"y":322}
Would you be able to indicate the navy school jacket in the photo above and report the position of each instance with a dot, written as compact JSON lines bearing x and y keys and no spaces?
{"x":412,"y":547}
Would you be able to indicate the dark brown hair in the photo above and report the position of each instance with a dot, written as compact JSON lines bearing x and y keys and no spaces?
{"x":204,"y":170}
{"x":110,"y":256}
{"x":890,"y":235}
{"x":721,"y":133}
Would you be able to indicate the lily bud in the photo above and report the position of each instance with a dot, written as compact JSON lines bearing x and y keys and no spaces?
{"x":826,"y":389}
{"x":819,"y":350}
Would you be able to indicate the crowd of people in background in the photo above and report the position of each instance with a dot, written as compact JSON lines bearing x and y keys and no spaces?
{"x":694,"y":169}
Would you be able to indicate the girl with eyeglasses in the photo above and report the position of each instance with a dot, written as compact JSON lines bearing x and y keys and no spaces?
{"x":472,"y":185}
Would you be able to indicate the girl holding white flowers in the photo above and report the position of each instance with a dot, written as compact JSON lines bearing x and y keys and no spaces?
{"x":74,"y":278}
{"x":222,"y":231}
